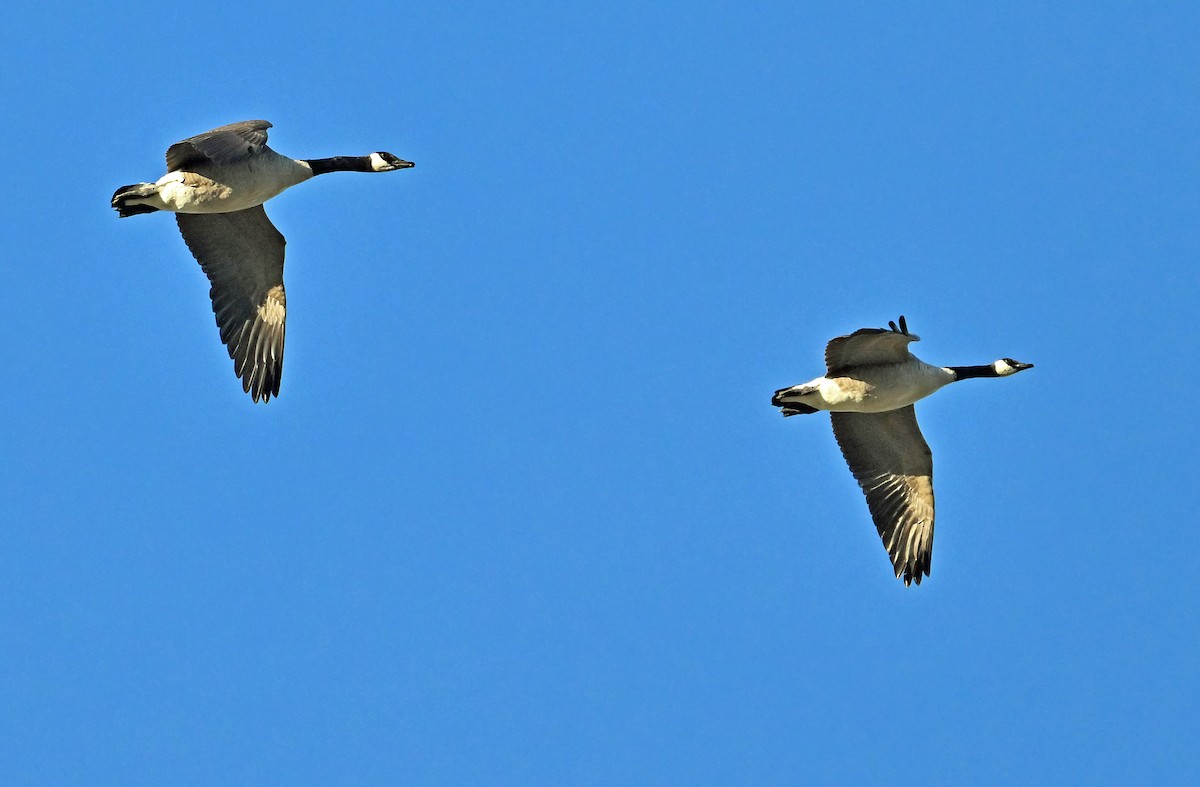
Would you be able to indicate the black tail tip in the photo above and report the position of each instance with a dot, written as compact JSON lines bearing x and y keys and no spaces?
{"x":121,"y":205}
{"x":790,"y":407}
{"x":124,"y":212}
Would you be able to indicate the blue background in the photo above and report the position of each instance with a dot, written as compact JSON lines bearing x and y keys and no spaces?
{"x":522,"y":513}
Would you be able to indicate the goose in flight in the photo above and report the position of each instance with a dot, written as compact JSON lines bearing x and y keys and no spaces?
{"x":869,"y":387}
{"x":216,"y":184}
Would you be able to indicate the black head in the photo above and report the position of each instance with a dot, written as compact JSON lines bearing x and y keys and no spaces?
{"x":1007,"y":366}
{"x":386,"y":162}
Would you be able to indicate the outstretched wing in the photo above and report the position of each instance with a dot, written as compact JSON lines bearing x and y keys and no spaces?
{"x":868,"y":347}
{"x":225,"y":145}
{"x":242,"y":255}
{"x":894,"y":466}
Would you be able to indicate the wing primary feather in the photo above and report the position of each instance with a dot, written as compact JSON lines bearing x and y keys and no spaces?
{"x":893,"y":465}
{"x":242,"y":255}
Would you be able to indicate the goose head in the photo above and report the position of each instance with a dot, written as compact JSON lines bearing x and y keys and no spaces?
{"x":1006,"y":366}
{"x":386,"y":162}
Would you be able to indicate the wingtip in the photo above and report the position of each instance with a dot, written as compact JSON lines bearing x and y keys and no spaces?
{"x":913,"y":572}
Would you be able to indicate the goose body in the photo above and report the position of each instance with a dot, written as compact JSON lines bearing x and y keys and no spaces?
{"x":875,"y":389}
{"x":211,"y":188}
{"x":871,"y":382}
{"x":216,"y":184}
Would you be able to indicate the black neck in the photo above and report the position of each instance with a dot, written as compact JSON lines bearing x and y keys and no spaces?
{"x":965,"y":372}
{"x":340,"y":164}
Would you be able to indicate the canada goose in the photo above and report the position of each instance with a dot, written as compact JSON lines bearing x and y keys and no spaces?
{"x":216,"y":183}
{"x":870,"y":385}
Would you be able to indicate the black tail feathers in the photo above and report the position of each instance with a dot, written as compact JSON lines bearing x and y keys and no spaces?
{"x":120,"y":199}
{"x":790,"y":407}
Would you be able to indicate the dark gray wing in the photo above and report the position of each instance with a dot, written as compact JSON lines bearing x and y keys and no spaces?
{"x":894,"y":466}
{"x":242,"y":255}
{"x":224,"y":145}
{"x":868,"y":347}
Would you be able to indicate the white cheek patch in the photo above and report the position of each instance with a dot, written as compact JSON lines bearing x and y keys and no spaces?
{"x":1002,"y":368}
{"x":378,"y":164}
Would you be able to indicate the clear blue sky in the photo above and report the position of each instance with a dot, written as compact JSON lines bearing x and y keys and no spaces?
{"x":523,"y":513}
